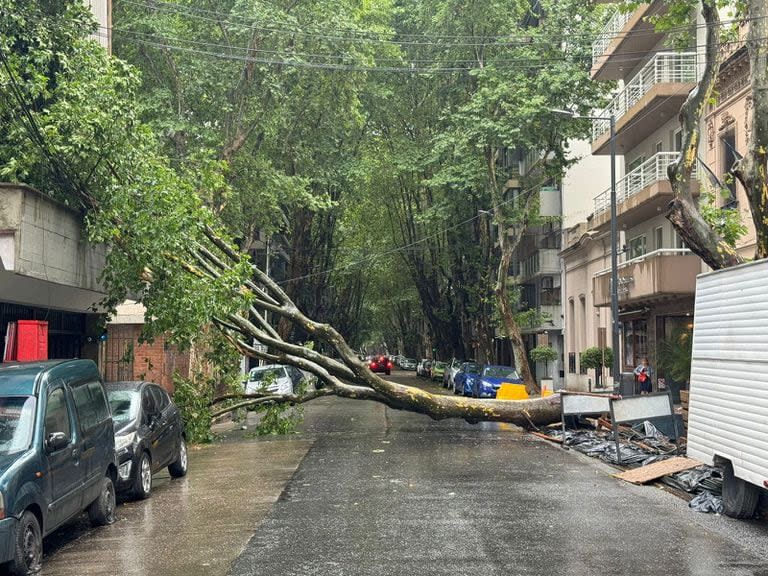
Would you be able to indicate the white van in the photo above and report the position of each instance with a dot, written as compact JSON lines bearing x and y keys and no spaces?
{"x":728,"y":407}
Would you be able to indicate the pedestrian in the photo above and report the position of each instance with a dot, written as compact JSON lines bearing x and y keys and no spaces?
{"x":643,"y":376}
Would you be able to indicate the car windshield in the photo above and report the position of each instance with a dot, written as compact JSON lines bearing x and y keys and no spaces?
{"x":266,"y":374}
{"x":17,"y":418}
{"x":501,"y":372}
{"x":439,"y":365}
{"x":124,"y":405}
{"x":472,"y":368}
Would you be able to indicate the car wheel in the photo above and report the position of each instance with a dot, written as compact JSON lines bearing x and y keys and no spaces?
{"x":102,"y":510}
{"x":28,"y":548}
{"x":387,"y":372}
{"x":179,"y":468}
{"x":142,"y":483}
{"x":739,"y":496}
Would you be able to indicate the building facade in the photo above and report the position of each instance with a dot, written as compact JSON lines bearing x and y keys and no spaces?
{"x":49,"y":272}
{"x":656,"y":272}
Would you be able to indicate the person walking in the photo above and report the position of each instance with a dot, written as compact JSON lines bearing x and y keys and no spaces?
{"x":643,"y":376}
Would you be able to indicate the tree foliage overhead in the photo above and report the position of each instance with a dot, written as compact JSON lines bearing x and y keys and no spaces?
{"x":76,"y":128}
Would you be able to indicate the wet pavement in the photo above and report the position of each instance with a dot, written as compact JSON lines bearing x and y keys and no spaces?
{"x":193,"y":526}
{"x":366,"y":490}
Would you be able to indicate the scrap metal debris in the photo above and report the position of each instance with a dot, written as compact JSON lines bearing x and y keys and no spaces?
{"x":641,"y":445}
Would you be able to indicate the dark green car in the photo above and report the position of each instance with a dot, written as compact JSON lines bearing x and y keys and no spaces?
{"x":57,"y":455}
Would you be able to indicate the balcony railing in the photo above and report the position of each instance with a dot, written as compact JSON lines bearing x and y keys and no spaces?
{"x":665,"y":67}
{"x":652,"y":170}
{"x":611,"y":31}
{"x":665,"y":272}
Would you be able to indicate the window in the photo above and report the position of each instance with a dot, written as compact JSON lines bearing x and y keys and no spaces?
{"x":729,"y":156}
{"x":57,"y":414}
{"x":637,"y":246}
{"x":161,"y":398}
{"x":571,"y":362}
{"x":90,"y":404}
{"x":658,"y":236}
{"x":677,"y":140}
{"x":659,"y":147}
{"x":679,"y":244}
{"x":147,"y":404}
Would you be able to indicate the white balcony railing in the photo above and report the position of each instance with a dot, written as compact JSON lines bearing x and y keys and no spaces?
{"x":665,"y":67}
{"x":611,"y":30}
{"x":652,"y":170}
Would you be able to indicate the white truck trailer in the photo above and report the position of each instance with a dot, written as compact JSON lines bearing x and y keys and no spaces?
{"x":728,"y":405}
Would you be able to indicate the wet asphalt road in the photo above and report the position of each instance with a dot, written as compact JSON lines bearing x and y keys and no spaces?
{"x":365,"y":490}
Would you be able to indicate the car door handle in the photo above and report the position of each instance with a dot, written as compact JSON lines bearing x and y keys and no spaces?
{"x":75,"y":453}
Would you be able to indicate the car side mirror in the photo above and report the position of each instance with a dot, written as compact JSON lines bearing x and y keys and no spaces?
{"x":55,"y":441}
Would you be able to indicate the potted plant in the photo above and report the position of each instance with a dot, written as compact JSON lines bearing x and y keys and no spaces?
{"x":674,"y":357}
{"x":545,"y":354}
{"x":596,"y":358}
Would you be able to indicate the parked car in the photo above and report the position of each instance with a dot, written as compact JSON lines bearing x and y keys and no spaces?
{"x":461,"y":382}
{"x":408,"y":364}
{"x":380,"y":364}
{"x":275,"y":379}
{"x":437,"y":371}
{"x":489,"y":380}
{"x":450,"y":372}
{"x":57,"y":455}
{"x":149,"y":435}
{"x":424,"y":369}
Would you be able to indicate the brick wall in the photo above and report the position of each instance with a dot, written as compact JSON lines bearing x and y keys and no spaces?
{"x":125,"y":358}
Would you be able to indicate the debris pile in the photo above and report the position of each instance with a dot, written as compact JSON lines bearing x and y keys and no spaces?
{"x":643,"y":445}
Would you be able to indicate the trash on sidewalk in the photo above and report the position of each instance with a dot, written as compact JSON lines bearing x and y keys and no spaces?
{"x":707,"y":502}
{"x":647,"y":455}
{"x":701,"y":478}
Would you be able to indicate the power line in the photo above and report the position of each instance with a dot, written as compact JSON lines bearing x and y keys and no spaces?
{"x":371,"y":37}
{"x":440,"y":67}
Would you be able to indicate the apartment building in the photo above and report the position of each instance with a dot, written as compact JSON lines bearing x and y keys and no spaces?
{"x":656,"y":272}
{"x":102,"y":12}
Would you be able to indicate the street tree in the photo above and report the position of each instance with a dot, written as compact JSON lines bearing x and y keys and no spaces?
{"x":700,"y":228}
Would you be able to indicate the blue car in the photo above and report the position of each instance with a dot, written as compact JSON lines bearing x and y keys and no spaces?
{"x":462,"y":383}
{"x":487,"y":382}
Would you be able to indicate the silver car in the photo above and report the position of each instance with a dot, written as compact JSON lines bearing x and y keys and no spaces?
{"x":275,"y":378}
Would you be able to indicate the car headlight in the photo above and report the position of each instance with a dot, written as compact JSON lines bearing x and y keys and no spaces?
{"x":122,"y":442}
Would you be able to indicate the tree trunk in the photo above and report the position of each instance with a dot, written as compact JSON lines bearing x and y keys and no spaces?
{"x":501,"y":291}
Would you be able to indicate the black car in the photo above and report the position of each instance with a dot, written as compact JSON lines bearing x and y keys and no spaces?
{"x":149,"y":435}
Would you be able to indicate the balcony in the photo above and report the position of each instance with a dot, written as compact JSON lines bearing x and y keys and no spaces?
{"x":544,"y":262}
{"x":551,"y":319}
{"x":651,"y":278}
{"x":44,"y":257}
{"x":653,"y":96}
{"x":640,"y":194}
{"x":623,"y":37}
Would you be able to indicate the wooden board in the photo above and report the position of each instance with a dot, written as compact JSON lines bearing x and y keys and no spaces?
{"x":657,"y":470}
{"x":683,"y":396}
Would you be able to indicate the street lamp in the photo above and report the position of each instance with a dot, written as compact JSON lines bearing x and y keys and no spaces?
{"x":614,"y":239}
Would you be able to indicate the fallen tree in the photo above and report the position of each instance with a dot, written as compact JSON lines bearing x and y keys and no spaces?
{"x":347,"y":377}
